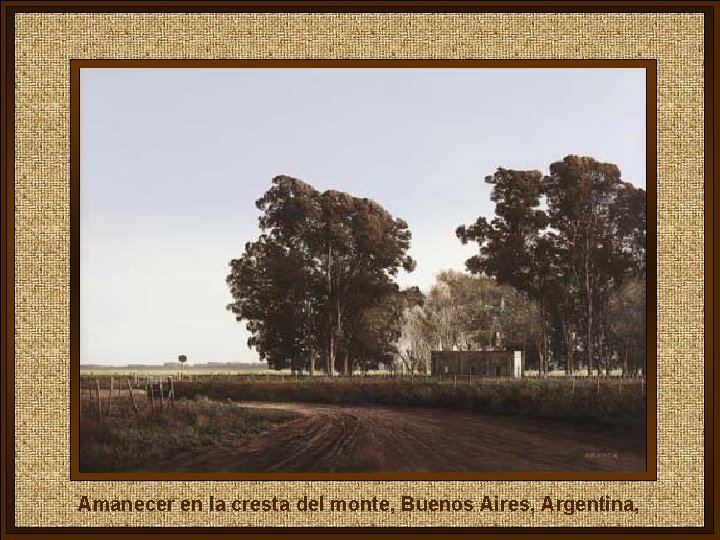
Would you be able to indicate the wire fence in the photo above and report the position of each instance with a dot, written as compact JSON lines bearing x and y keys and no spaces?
{"x":120,"y":395}
{"x":162,"y":387}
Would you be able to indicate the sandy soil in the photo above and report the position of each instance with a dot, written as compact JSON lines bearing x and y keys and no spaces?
{"x":336,"y":438}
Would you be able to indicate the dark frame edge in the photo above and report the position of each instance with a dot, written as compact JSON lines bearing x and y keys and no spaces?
{"x":8,"y":261}
{"x":711,"y":406}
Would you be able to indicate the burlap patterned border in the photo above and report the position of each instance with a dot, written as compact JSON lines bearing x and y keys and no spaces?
{"x":44,"y":45}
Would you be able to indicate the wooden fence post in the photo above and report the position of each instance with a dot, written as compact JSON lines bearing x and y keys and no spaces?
{"x":88,"y":403}
{"x":98,"y":396}
{"x":171,"y":394}
{"x":162,"y":398}
{"x":132,"y":397}
{"x":109,"y":411}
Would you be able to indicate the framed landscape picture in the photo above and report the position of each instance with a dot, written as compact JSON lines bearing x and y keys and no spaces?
{"x":387,"y":305}
{"x":382,"y":269}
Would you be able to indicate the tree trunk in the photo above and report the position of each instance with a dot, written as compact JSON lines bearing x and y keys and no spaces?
{"x":330,"y":359}
{"x":538,"y":346}
{"x":567,"y":350}
{"x":588,"y":294}
{"x":312,"y":363}
{"x":625,"y":357}
{"x":606,"y":353}
{"x":543,"y":356}
{"x":338,"y":323}
{"x":644,"y":366}
{"x":609,"y":348}
{"x":569,"y":346}
{"x":346,"y":367}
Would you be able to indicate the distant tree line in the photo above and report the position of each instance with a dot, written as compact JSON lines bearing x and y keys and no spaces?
{"x":466,"y":312}
{"x":559,"y":274}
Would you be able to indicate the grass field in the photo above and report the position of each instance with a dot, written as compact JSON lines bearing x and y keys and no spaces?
{"x":126,"y":441}
{"x":206,"y":426}
{"x":124,"y":438}
{"x":599,"y":402}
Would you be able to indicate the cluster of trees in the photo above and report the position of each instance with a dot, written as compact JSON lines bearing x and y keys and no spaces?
{"x":574,"y":242}
{"x":317,"y":288}
{"x":466,"y":312}
{"x":560,"y":274}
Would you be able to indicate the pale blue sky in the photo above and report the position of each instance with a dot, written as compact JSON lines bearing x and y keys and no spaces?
{"x":172,"y":161}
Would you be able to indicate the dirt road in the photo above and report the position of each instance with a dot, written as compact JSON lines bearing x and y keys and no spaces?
{"x":334,"y":438}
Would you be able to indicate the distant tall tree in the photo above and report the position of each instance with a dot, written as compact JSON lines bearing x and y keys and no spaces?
{"x":512,"y":247}
{"x":182,"y":359}
{"x":585,"y":200}
{"x":322,"y":259}
{"x":629,"y":271}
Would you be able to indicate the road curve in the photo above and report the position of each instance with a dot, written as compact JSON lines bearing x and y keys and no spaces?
{"x":337,"y":438}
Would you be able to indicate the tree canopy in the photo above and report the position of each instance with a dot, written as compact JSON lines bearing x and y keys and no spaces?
{"x":559,"y":273}
{"x":319,"y":282}
{"x":569,"y":240}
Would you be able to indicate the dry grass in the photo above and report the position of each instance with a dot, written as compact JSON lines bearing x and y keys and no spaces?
{"x":125,"y":440}
{"x":602,"y":402}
